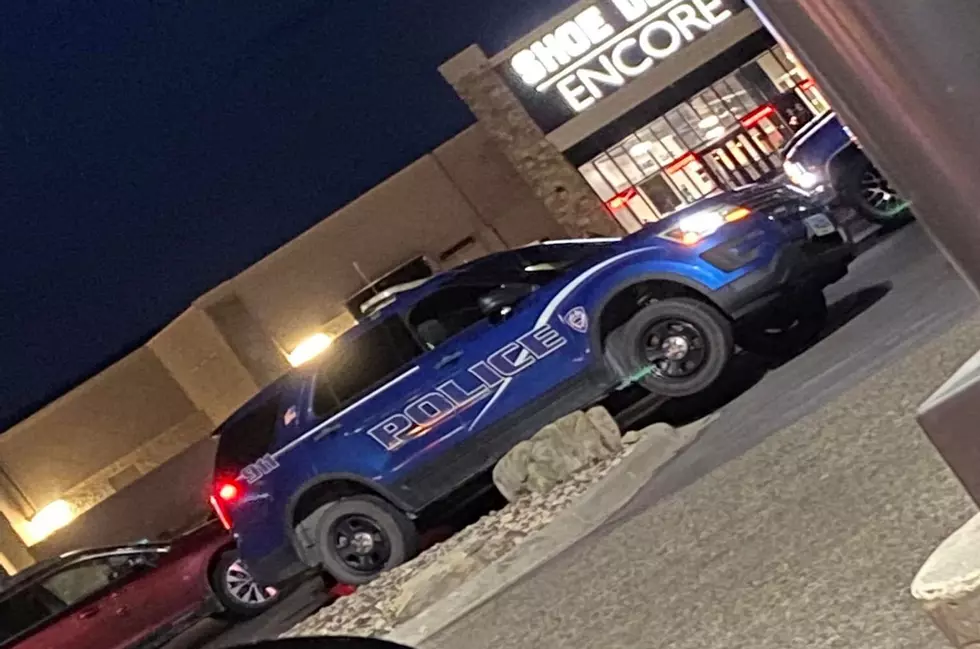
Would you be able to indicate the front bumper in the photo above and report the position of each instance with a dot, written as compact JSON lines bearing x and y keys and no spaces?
{"x":801,"y":265}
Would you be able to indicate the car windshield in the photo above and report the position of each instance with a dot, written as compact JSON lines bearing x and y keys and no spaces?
{"x":537,"y":264}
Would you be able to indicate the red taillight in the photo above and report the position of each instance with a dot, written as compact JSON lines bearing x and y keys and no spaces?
{"x":224,"y":494}
{"x":228,"y":492}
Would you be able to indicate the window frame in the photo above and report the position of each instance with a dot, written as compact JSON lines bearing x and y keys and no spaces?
{"x":322,"y":368}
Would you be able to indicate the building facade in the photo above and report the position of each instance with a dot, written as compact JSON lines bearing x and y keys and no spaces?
{"x":653,"y":103}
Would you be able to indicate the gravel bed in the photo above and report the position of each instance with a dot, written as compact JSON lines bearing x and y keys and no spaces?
{"x":371,"y":611}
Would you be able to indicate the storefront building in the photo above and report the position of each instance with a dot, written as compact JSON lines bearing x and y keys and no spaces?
{"x":655,"y":103}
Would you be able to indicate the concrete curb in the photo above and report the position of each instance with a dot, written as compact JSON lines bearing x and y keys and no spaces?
{"x":598,"y":505}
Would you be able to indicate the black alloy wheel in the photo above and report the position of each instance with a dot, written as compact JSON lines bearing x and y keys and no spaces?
{"x":361,"y":543}
{"x":362,"y":536}
{"x":675,"y":347}
{"x":872,"y":195}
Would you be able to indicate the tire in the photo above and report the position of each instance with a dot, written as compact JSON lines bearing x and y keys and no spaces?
{"x":792,"y":327}
{"x":239,"y":596}
{"x":706,"y":343}
{"x":864,"y":188}
{"x":393,"y":538}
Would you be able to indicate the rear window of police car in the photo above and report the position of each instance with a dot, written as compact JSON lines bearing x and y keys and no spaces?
{"x":246,"y":439}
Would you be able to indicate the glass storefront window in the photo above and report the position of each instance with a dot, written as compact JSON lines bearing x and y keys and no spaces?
{"x":718,"y":108}
{"x":796,"y":72}
{"x":616,"y":179}
{"x":669,"y":140}
{"x":779,"y":75}
{"x":735,"y":99}
{"x":684,"y":121}
{"x":626,"y":165}
{"x":642,"y":153}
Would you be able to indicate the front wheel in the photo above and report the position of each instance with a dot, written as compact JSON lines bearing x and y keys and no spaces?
{"x":237,"y":592}
{"x":360,"y":537}
{"x":868,"y":191}
{"x":674,"y":348}
{"x":794,"y":324}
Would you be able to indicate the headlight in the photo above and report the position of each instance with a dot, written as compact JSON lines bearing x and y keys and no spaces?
{"x":800,"y":176}
{"x":691,"y":229}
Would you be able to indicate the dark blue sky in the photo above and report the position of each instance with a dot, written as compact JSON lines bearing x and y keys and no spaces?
{"x":150,"y":149}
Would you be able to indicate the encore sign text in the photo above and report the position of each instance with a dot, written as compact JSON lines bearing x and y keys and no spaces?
{"x":587,"y":57}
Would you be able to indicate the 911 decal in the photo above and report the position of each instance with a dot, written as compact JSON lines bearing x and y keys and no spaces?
{"x":477,"y":383}
{"x":259,"y":469}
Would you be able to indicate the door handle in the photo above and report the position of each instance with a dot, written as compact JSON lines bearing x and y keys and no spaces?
{"x":448,"y":359}
{"x":88,"y":613}
{"x":323,"y":432}
{"x":122,"y":610}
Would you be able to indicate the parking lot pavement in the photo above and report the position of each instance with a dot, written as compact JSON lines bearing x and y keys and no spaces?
{"x":216,"y":634}
{"x":800,"y":517}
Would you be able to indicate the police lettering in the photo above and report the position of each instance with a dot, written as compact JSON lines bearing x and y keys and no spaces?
{"x":476,"y":384}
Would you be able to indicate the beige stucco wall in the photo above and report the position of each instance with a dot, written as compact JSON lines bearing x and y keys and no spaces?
{"x":89,"y":428}
{"x":196,"y":355}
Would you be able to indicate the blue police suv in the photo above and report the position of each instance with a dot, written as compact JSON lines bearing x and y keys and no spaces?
{"x":824,"y":158}
{"x":330,"y":466}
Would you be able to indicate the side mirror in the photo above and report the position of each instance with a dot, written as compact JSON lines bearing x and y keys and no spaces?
{"x":499,"y":302}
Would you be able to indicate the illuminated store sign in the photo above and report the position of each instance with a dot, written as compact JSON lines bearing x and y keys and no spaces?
{"x":606,"y":45}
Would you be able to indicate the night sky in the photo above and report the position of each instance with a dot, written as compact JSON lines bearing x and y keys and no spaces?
{"x":151,"y":149}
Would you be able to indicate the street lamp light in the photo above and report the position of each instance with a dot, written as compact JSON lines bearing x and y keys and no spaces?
{"x":309,"y":349}
{"x":49,"y":519}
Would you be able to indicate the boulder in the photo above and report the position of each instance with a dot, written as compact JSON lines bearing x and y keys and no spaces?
{"x":609,"y":433}
{"x":557,"y":452}
{"x":632,"y":437}
{"x":510,"y":473}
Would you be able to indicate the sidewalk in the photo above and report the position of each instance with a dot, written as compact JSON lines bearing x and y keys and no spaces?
{"x":808,"y":540}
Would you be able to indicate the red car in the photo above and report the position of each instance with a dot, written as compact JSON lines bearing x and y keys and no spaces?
{"x":125,"y":596}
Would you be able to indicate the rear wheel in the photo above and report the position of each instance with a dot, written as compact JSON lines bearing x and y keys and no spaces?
{"x":240,"y":596}
{"x":793,"y":325}
{"x":674,"y":348}
{"x":360,"y":537}
{"x":868,"y":191}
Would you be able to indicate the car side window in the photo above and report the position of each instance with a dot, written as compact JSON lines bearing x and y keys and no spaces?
{"x":351,"y":368}
{"x":80,"y":581}
{"x":447,"y":312}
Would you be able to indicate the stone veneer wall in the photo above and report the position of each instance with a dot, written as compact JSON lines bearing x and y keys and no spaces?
{"x":553,"y":179}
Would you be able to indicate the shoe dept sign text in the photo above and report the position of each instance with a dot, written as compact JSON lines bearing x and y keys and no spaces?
{"x":602,"y":47}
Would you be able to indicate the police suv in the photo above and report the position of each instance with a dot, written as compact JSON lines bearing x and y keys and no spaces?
{"x":330,"y":466}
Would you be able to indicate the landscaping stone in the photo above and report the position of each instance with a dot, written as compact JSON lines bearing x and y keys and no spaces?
{"x":632,"y":437}
{"x":558,"y":451}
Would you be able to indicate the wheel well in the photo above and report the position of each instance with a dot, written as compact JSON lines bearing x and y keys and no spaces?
{"x":324,"y":492}
{"x":842,"y":161}
{"x":215,"y":558}
{"x":622,"y":306}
